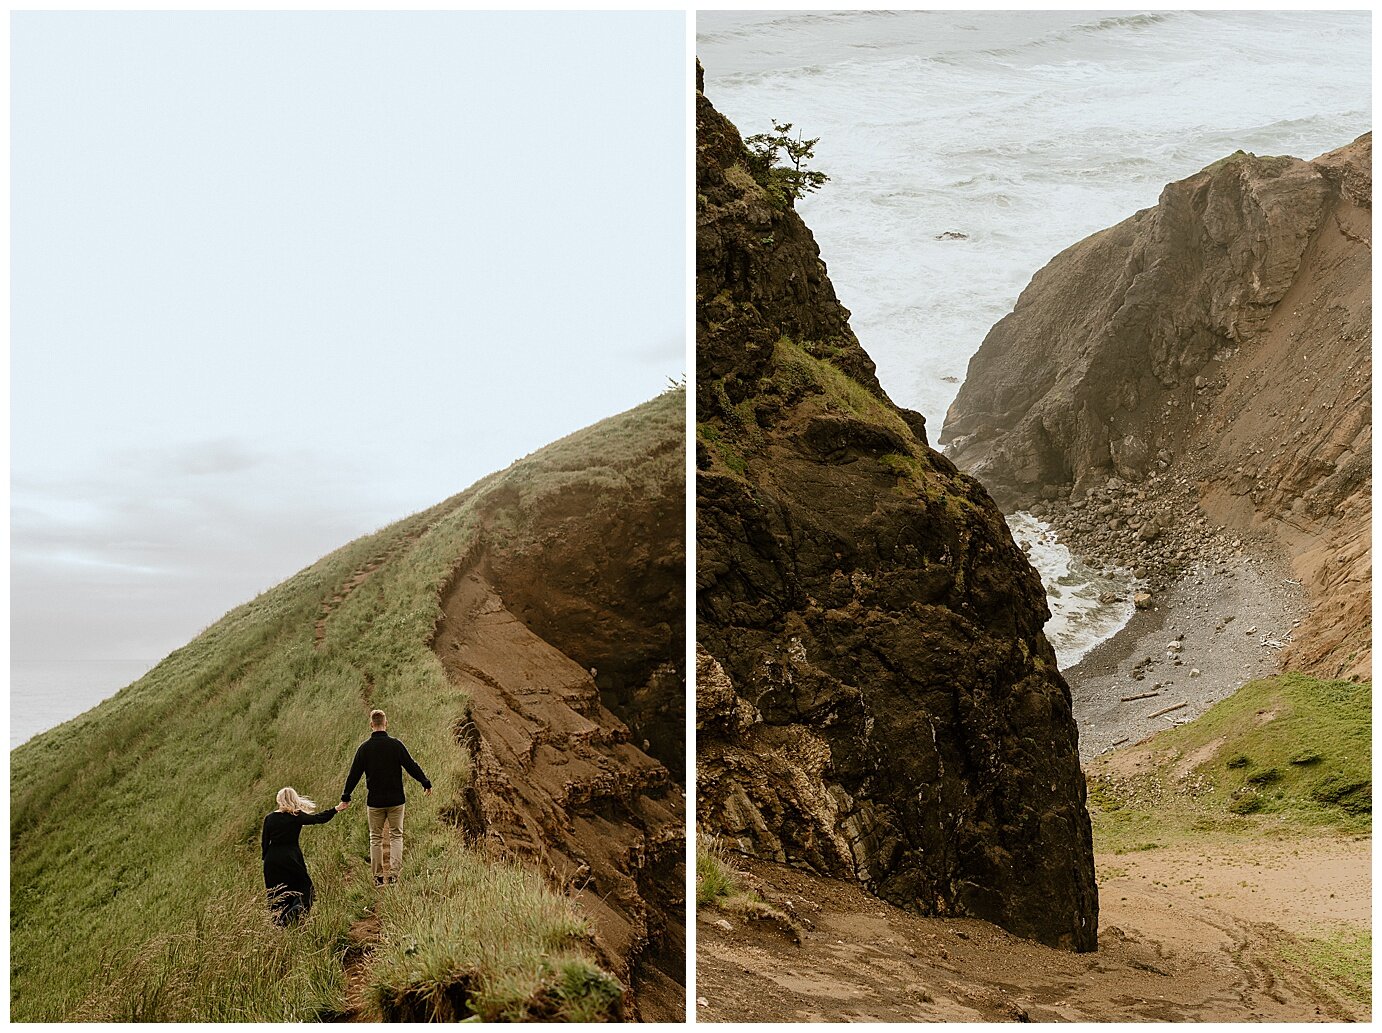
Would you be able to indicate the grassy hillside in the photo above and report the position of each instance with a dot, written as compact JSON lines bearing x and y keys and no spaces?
{"x":1286,"y":759}
{"x":136,"y":885}
{"x":1281,"y":755}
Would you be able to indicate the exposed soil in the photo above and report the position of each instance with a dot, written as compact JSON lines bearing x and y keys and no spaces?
{"x":604,"y":582}
{"x":364,"y":934}
{"x":1181,"y":938}
{"x":1301,"y":885}
{"x":556,"y":782}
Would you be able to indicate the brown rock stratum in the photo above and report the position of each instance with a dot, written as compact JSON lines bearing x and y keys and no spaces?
{"x":1214,"y":352}
{"x":564,"y":628}
{"x":876,"y":700}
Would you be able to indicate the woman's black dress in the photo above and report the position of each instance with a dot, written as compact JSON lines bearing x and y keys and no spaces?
{"x":285,"y":872}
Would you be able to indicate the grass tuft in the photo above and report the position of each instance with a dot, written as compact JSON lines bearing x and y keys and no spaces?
{"x":714,"y":879}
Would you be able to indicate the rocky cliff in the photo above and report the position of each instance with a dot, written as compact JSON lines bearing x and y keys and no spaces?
{"x":875,"y":698}
{"x":1204,"y":365}
{"x":564,"y":629}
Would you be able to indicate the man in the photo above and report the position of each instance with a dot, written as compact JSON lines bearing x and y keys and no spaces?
{"x":382,"y":759}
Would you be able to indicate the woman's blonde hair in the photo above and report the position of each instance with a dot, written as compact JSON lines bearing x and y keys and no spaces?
{"x":288,"y":800}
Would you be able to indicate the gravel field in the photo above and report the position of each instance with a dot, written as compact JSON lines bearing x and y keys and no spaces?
{"x":1217,"y":627}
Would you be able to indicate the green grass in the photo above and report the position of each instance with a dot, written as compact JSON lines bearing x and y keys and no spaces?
{"x":731,"y":456}
{"x":135,"y":872}
{"x":517,"y":949}
{"x":1282,"y":755}
{"x":200,"y":973}
{"x":796,"y":367}
{"x":907,"y":469}
{"x":842,"y":392}
{"x":714,"y":880}
{"x":1342,"y":959}
{"x":720,"y":888}
{"x":795,"y":375}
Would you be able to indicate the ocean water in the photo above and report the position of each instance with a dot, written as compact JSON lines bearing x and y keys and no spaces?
{"x":1073,"y":590}
{"x":1022,"y":132}
{"x":46,"y":693}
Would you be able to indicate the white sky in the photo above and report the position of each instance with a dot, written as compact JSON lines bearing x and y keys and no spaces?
{"x":281,"y":279}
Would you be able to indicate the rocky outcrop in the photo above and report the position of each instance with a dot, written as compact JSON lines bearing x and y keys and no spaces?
{"x":875,"y":698}
{"x":1208,"y":359}
{"x":563,"y":628}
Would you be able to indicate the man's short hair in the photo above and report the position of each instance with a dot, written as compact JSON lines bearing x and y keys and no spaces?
{"x":377,"y":718}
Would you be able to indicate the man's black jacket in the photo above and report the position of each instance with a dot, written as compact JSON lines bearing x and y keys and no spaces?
{"x":381,"y":759}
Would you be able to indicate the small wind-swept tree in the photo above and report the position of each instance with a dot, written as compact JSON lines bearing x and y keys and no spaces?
{"x":792,"y":176}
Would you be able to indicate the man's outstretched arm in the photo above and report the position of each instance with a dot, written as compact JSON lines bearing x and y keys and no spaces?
{"x":411,"y":766}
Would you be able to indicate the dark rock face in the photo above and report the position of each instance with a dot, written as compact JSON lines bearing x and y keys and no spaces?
{"x":608,"y":579}
{"x":1214,"y":352}
{"x":875,"y":698}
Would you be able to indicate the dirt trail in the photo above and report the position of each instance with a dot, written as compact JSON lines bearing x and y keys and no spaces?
{"x":350,"y":585}
{"x":1180,"y":940}
{"x":556,"y":782}
{"x":360,"y":576}
{"x":364,"y":932}
{"x":363,"y":935}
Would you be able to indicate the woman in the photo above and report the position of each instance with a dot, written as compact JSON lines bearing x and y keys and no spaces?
{"x":285,"y":871}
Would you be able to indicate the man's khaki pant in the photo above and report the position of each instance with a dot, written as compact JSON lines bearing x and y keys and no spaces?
{"x":381,"y":818}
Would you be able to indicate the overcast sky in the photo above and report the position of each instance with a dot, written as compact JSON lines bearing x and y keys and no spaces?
{"x":281,"y":279}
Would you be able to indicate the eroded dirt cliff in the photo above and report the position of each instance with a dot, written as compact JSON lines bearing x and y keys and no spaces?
{"x":563,"y":627}
{"x":876,"y":700}
{"x":1202,"y":371}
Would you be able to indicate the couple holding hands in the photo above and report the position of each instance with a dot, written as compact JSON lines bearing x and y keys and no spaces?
{"x":381,"y":760}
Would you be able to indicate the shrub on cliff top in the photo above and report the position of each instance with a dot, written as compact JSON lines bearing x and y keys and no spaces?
{"x":792,"y":179}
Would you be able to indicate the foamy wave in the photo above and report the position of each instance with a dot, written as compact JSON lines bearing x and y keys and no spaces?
{"x":1079,"y":620}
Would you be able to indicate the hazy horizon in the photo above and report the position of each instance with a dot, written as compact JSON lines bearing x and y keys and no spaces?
{"x":282,"y":279}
